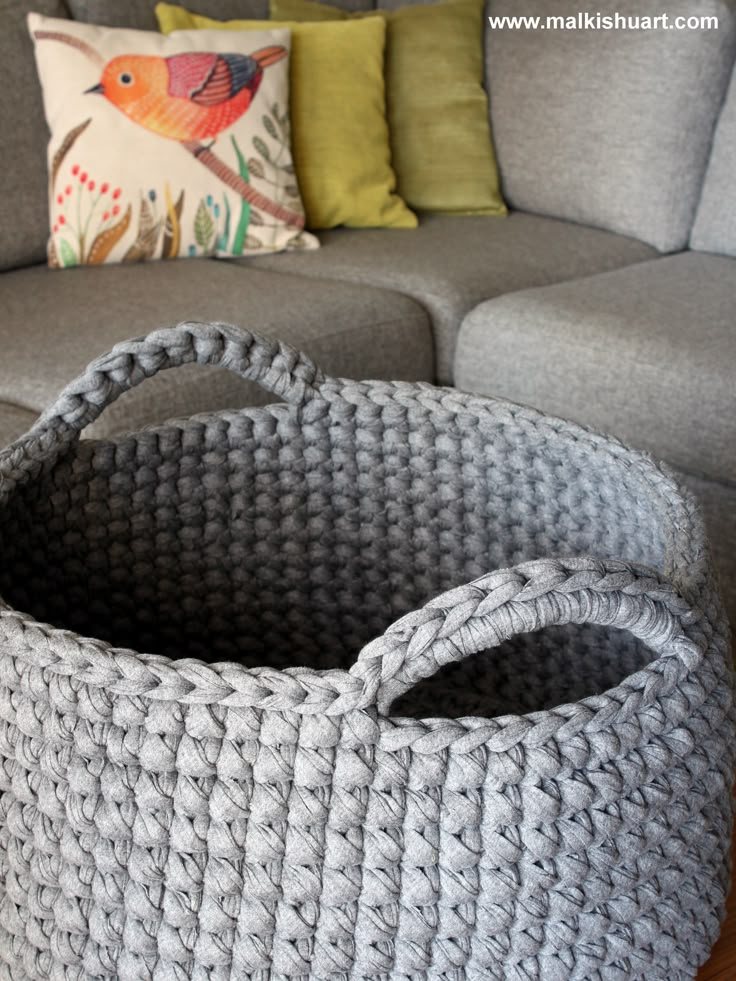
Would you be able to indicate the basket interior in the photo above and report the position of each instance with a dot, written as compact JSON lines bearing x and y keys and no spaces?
{"x":253,"y":537}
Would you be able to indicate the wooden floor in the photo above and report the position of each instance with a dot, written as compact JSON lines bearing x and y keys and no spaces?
{"x":722,"y":963}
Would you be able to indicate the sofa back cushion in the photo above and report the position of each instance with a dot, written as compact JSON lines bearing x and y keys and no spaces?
{"x":23,"y":138}
{"x":610,"y":128}
{"x":140,"y":13}
{"x":715,"y":223}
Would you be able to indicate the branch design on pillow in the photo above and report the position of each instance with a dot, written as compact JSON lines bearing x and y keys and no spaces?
{"x":188,"y":98}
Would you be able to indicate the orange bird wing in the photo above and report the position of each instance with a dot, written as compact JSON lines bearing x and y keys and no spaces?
{"x":210,"y":79}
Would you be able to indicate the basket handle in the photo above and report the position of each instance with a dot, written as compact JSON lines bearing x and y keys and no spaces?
{"x":498,"y":606}
{"x":275,"y":366}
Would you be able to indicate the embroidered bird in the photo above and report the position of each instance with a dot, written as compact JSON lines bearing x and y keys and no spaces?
{"x":185,"y":97}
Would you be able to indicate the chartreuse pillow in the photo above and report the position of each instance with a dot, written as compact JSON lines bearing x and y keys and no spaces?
{"x":340,"y":135}
{"x":441,"y":143}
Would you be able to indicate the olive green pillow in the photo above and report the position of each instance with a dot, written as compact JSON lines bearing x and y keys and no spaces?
{"x":340,"y":137}
{"x":441,"y":145}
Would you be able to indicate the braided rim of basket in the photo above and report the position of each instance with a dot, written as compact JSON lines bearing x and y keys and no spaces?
{"x":530,"y":596}
{"x":454,"y":625}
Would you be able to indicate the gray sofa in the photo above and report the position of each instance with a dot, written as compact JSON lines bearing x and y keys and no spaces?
{"x":608,"y":295}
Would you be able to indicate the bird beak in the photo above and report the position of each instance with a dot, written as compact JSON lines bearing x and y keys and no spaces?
{"x":99,"y":89}
{"x":269,"y":56}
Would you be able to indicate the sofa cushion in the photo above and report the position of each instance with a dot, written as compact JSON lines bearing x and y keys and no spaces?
{"x":437,"y":106}
{"x":608,"y":127}
{"x":139,"y":13}
{"x":715,"y":223}
{"x":450,"y":263}
{"x":646,"y":353}
{"x":122,"y":185}
{"x":53,"y":324}
{"x":23,"y":138}
{"x":340,"y":134}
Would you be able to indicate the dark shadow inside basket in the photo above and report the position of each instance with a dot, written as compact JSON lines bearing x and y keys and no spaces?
{"x":252,"y":537}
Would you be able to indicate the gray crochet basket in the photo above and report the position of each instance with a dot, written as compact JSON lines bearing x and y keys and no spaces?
{"x":247,"y":733}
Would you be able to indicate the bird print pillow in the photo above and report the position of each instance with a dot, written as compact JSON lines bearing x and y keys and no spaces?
{"x":167,"y":147}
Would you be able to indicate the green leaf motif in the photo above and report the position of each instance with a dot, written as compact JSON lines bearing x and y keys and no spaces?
{"x":242,"y":229}
{"x":256,"y":167}
{"x":281,"y":118}
{"x":68,"y":255}
{"x":242,"y":165}
{"x":204,"y":226}
{"x":270,"y":127}
{"x":261,"y":148}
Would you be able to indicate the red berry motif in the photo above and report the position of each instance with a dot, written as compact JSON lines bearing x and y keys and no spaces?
{"x":92,"y":217}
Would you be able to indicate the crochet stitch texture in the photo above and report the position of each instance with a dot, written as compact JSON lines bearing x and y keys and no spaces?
{"x":267,"y":712}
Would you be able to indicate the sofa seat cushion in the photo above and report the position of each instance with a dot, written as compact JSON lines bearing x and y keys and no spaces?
{"x":453,"y":262}
{"x":646,"y":353}
{"x":54,"y":323}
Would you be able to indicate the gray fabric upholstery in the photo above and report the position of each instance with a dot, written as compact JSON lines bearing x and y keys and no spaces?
{"x":140,"y":13}
{"x":14,"y":421}
{"x":24,"y":210}
{"x":646,"y":353}
{"x":610,"y":128}
{"x":78,"y":314}
{"x":451,"y":263}
{"x":353,"y":5}
{"x":715,"y":223}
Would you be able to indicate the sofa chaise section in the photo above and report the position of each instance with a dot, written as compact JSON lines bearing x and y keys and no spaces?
{"x":451,"y":263}
{"x":646,"y":352}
